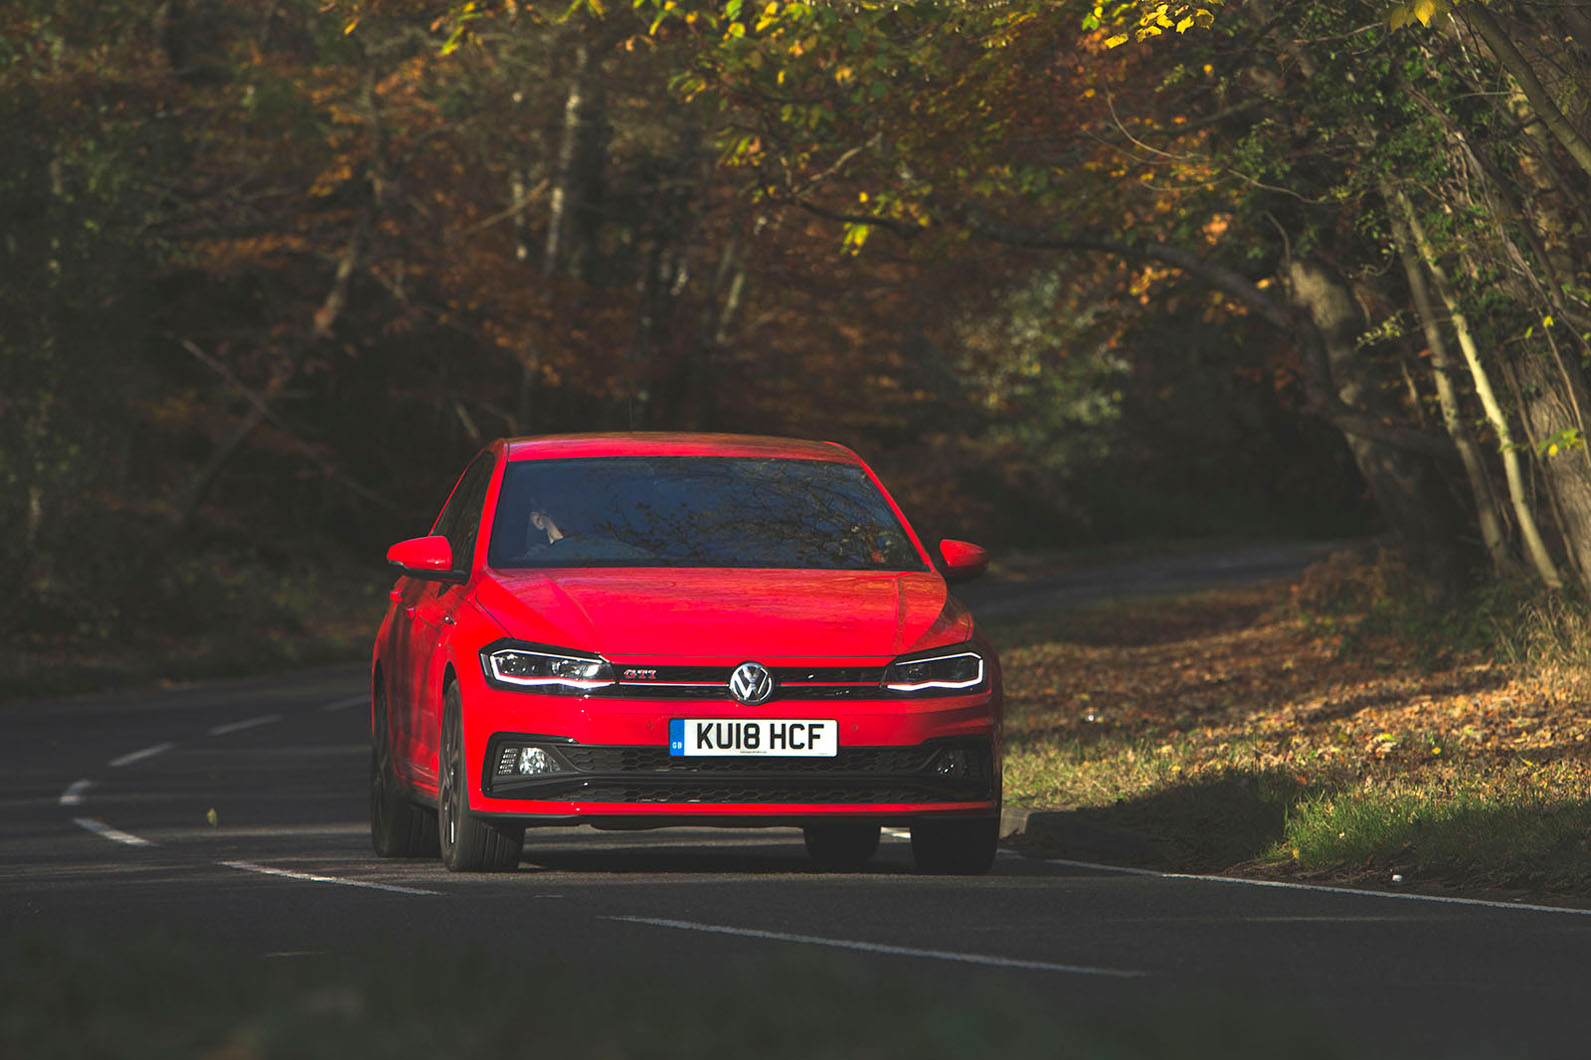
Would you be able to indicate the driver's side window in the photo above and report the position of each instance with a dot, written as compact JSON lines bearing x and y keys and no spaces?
{"x":460,"y":520}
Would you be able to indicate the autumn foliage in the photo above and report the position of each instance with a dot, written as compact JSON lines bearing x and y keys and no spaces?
{"x":1065,"y":272}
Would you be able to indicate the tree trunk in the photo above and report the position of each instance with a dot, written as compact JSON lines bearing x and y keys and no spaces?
{"x":563,"y":179}
{"x":1410,"y":493}
{"x":1550,"y":414}
{"x":1493,"y":535}
{"x":1519,"y":68}
{"x":1535,"y":548}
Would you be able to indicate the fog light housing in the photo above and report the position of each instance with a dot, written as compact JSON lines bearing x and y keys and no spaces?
{"x":521,"y":760}
{"x":533,"y":761}
{"x":954,"y":763}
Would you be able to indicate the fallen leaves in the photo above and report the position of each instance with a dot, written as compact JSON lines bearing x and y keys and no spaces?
{"x":1236,"y":679}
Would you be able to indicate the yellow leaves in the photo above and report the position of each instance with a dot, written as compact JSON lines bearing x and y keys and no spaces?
{"x":855,"y":237}
{"x":1153,"y":20}
{"x":1421,"y":11}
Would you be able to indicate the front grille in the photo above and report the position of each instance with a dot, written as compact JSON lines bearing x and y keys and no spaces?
{"x":712,"y":682}
{"x":727,"y":793}
{"x":855,"y":775}
{"x":631,"y":760}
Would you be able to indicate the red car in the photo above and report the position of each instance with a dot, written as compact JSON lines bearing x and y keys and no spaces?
{"x":638,"y":630}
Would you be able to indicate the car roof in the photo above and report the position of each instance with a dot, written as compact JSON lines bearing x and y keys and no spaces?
{"x":671,"y":443}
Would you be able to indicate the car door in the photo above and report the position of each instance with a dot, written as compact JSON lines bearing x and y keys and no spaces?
{"x":432,"y":617}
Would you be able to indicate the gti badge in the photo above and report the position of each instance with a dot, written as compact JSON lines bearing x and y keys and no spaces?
{"x":751,"y":683}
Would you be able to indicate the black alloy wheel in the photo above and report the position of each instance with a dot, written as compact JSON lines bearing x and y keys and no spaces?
{"x":398,"y":827}
{"x":469,"y":843}
{"x":955,"y":846}
{"x":841,"y":844}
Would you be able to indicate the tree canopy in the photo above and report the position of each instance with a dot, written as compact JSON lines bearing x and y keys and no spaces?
{"x":1066,"y":270}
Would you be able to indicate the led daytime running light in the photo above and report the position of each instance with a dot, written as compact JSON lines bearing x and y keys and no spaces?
{"x":939,"y":667}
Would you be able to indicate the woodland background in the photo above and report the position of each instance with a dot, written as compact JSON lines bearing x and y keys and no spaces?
{"x":1065,"y":272}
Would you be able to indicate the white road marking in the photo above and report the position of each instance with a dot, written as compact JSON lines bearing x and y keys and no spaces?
{"x":73,"y":795}
{"x":1405,"y":896}
{"x":1323,"y":888}
{"x":344,"y":704}
{"x":140,"y":754}
{"x":115,"y":835}
{"x":250,"y":723}
{"x":306,"y":877}
{"x":875,"y":947}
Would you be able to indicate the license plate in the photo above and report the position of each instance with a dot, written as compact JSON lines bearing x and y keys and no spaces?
{"x":753,"y":737}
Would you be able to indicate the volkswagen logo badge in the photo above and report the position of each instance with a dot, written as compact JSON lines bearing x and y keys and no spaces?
{"x":751,"y":683}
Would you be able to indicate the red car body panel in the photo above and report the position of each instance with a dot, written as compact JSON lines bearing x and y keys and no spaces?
{"x":434,"y":630}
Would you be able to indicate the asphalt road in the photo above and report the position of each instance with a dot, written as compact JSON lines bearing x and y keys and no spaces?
{"x":995,"y":600}
{"x":107,"y":827}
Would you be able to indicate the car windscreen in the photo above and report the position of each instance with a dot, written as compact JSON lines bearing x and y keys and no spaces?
{"x":666,"y":511}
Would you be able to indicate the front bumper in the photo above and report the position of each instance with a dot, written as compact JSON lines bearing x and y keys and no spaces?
{"x":940,"y":771}
{"x":895,"y":761}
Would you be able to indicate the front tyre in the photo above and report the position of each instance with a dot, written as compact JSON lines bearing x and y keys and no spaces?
{"x":398,"y":827}
{"x":955,"y":846}
{"x":469,"y":843}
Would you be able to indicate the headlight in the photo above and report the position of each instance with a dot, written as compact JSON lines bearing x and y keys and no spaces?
{"x":952,"y":670}
{"x":545,"y":669}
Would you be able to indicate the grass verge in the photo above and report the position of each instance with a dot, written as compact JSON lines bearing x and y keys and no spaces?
{"x":1250,"y":730}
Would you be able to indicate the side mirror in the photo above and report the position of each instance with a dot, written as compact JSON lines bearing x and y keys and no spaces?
{"x":430,"y":558}
{"x":963,"y":560}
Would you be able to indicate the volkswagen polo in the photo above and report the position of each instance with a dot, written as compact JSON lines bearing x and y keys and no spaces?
{"x":641,"y":630}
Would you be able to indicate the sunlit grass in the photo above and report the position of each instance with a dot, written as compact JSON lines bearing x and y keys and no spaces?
{"x":1519,"y":828}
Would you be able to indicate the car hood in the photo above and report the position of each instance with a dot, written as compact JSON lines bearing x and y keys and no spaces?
{"x":731,"y":615}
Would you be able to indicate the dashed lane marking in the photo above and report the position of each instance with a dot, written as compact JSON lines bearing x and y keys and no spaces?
{"x":308,"y":877}
{"x":73,"y":795}
{"x":140,"y":754}
{"x":875,"y":947}
{"x":344,"y":704}
{"x":115,"y":835}
{"x":248,"y":723}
